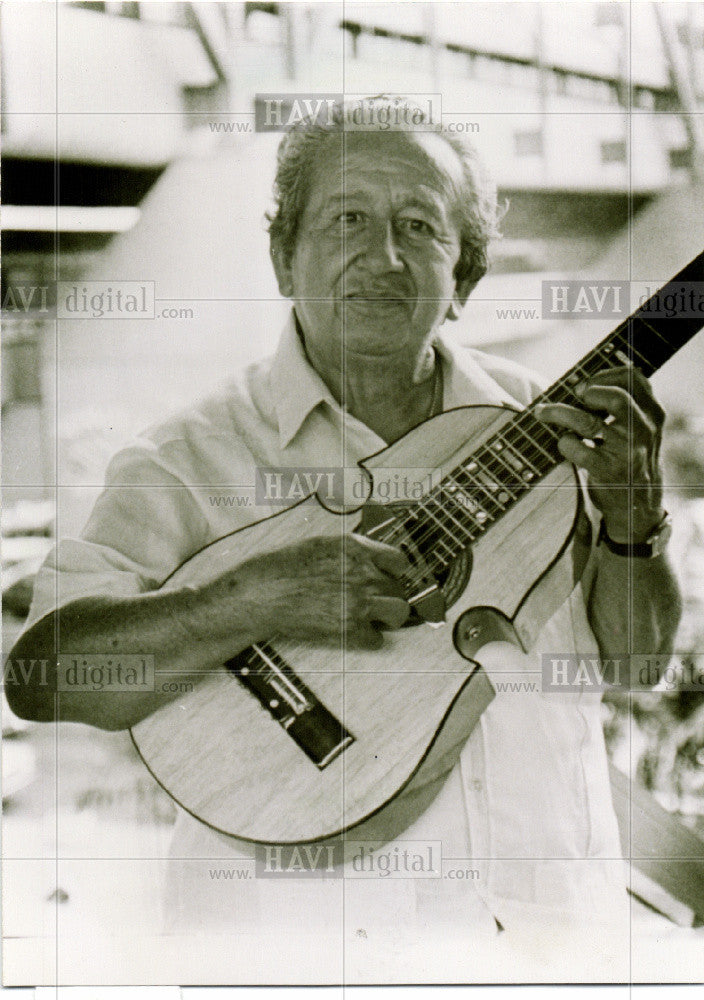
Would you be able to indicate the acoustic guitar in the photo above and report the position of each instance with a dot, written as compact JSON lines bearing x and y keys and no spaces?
{"x":294,"y":742}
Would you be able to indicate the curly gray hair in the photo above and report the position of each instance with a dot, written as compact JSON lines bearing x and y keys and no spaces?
{"x":300,"y":146}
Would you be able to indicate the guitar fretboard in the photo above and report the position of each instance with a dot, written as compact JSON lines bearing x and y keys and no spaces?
{"x":476,"y":494}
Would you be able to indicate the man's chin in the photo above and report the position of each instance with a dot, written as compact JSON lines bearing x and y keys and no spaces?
{"x":381,"y":322}
{"x":377,"y":334}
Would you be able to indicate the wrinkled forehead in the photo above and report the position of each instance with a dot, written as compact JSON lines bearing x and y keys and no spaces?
{"x":406,"y":158}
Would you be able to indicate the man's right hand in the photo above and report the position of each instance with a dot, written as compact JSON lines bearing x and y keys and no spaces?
{"x":325,"y":590}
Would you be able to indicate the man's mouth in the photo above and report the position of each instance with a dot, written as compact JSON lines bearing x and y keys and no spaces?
{"x":376,"y":295}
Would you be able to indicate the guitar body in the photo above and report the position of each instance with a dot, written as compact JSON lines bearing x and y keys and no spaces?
{"x":407,"y":709}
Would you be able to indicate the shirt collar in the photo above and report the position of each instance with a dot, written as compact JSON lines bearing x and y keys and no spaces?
{"x":296,"y":385}
{"x":298,"y":388}
{"x":465,"y":382}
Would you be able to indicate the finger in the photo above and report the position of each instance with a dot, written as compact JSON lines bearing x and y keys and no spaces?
{"x":365,"y":635}
{"x":582,"y":422}
{"x":626,"y":376}
{"x":614,"y":439}
{"x":386,"y":557}
{"x":390,"y":611}
{"x":635,"y":383}
{"x":625,"y":412}
{"x":374,"y":581}
{"x":388,"y":586}
{"x":576,"y":451}
{"x":610,"y":399}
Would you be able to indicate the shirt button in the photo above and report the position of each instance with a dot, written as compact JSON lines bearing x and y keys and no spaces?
{"x":477,"y":785}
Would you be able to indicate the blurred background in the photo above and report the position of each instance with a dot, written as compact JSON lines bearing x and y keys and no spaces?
{"x":130,"y":154}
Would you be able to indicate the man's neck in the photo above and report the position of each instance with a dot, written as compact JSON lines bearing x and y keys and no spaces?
{"x":390,"y":393}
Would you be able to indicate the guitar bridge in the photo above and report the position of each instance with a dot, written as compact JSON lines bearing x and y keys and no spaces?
{"x":291,"y":703}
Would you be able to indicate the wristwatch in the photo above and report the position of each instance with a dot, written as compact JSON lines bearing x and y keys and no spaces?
{"x":654,"y":545}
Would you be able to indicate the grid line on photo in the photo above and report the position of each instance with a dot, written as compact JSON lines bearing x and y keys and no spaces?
{"x":629,"y":115}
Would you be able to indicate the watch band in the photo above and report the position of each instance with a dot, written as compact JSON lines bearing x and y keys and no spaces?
{"x":653,"y":546}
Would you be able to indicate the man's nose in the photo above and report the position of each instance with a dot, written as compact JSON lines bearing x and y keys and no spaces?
{"x":381,"y":251}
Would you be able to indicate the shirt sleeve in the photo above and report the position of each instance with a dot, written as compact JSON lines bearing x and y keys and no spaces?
{"x":145,"y":523}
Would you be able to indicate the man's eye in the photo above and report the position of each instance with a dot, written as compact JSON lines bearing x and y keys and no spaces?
{"x":418,"y":227}
{"x":348,"y":218}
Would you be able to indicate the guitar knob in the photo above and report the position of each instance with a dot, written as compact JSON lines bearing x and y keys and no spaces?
{"x":479,"y":626}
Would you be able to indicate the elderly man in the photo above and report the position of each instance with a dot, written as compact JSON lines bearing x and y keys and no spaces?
{"x":378,"y":238}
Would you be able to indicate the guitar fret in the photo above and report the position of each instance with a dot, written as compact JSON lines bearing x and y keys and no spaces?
{"x":475,"y":509}
{"x":657,"y":333}
{"x":479,"y":512}
{"x":441,"y":512}
{"x":441,"y":540}
{"x":463,"y":530}
{"x":453,"y":489}
{"x":626,"y":345}
{"x":478,"y":485}
{"x":508,"y":494}
{"x":526,"y":467}
{"x":536,"y":444}
{"x":499,"y":492}
{"x":504,"y":466}
{"x":570,"y":381}
{"x":634,"y":351}
{"x":606,"y":353}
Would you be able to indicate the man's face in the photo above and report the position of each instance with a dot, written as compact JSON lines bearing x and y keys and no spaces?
{"x":377,"y":244}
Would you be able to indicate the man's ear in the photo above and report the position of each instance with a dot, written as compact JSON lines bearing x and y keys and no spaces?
{"x":463,"y":289}
{"x":282,"y":269}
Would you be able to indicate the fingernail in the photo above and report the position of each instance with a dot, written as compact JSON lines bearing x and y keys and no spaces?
{"x":580,"y":388}
{"x":538,"y":409}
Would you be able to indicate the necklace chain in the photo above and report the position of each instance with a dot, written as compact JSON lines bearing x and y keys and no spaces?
{"x":436,"y":398}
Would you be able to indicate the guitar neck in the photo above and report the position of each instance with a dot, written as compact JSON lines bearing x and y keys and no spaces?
{"x":475,"y":494}
{"x":646,"y":339}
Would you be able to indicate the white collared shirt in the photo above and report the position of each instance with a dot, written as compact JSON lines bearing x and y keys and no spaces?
{"x":527,"y":811}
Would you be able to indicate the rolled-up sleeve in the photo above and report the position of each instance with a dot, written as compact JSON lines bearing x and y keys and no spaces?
{"x":145,"y":523}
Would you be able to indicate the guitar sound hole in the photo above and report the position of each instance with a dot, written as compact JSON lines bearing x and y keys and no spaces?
{"x":414,"y":541}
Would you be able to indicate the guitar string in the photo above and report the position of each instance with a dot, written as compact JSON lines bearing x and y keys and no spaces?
{"x":541,"y":439}
{"x":488,"y":487}
{"x":487,"y":462}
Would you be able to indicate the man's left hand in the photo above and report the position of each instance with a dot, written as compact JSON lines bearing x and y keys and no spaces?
{"x":616,"y":437}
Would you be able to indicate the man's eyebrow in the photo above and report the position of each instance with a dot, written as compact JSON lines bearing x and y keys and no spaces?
{"x":338,"y":199}
{"x":429,"y":203}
